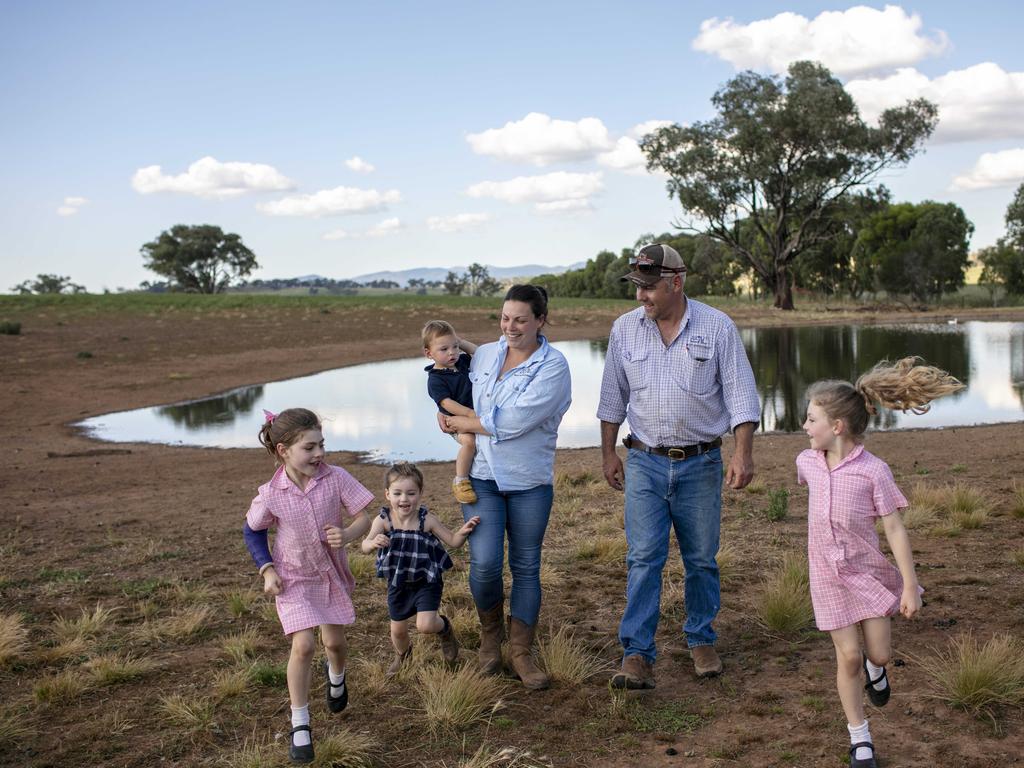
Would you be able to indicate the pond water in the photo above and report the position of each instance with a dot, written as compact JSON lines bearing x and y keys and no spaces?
{"x":382,"y":409}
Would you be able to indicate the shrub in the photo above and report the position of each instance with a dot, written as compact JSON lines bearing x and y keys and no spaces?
{"x":269,"y":675}
{"x":1017,"y":499}
{"x":10,"y":328}
{"x":778,"y":504}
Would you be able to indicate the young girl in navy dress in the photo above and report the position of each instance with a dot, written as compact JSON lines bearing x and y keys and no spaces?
{"x":852,"y":582}
{"x":411,"y":557}
{"x":308,"y":574}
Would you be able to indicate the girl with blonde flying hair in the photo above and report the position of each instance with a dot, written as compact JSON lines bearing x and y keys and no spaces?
{"x":852,"y":581}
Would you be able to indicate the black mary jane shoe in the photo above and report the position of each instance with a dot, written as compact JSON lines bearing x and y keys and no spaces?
{"x":335,"y":703}
{"x":303,"y":754}
{"x":876,"y":697}
{"x":869,"y":763}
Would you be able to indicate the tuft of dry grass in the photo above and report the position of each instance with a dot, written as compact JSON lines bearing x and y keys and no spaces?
{"x":550,"y":577}
{"x":978,"y":677}
{"x":785,"y":605}
{"x":75,"y":648}
{"x":567,"y":659}
{"x":369,"y":676}
{"x":507,"y":757}
{"x":113,"y":669}
{"x":757,"y":486}
{"x":362,"y":566}
{"x":464,"y":621}
{"x":1017,"y":557}
{"x":453,"y":699}
{"x":60,"y":688}
{"x":727,"y":558}
{"x":87,"y":626}
{"x":230,"y":683}
{"x":1017,"y":499}
{"x":241,"y":602}
{"x":947,"y":509}
{"x":192,"y":593}
{"x":605,"y":551}
{"x":346,"y":748}
{"x":242,"y":646}
{"x":13,"y":637}
{"x":13,"y":729}
{"x":179,"y":627}
{"x":117,"y":724}
{"x":193,"y":713}
{"x":254,"y":755}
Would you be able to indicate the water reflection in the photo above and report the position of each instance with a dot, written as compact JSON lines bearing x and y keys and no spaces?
{"x":382,"y":408}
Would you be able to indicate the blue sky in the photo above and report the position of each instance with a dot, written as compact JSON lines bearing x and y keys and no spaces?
{"x":343,"y":138}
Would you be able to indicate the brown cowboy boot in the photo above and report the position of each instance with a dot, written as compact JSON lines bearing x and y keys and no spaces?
{"x":492,"y":632}
{"x":398,"y":662}
{"x":521,"y":640}
{"x":449,"y":644}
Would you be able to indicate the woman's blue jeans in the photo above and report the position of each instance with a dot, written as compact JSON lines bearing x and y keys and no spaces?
{"x":686,"y":496}
{"x":523,"y":517}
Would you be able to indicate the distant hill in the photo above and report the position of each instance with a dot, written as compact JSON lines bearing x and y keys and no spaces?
{"x":402,"y":277}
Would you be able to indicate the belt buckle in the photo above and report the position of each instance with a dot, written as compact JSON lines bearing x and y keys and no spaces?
{"x":676,"y":454}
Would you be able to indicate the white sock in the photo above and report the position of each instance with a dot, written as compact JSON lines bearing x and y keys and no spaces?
{"x":859,"y":733}
{"x":337,"y":682}
{"x":875,"y":673}
{"x":459,"y":479}
{"x":300,"y":716}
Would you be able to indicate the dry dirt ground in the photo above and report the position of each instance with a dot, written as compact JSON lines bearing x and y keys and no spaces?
{"x":153,"y":534}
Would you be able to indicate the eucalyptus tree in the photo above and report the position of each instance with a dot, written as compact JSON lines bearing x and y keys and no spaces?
{"x":780,"y":154}
{"x":199,"y":259}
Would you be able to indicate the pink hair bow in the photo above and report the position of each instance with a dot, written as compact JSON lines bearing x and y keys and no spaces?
{"x":270,"y":415}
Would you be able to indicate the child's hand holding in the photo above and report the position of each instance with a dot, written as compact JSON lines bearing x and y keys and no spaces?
{"x":271,"y":581}
{"x":910,"y":601}
{"x":469,"y":525}
{"x":381,"y":541}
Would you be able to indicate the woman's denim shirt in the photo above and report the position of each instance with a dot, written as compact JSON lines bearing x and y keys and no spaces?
{"x":521,"y":411}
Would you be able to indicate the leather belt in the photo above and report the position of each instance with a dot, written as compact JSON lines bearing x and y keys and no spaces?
{"x":676,"y":453}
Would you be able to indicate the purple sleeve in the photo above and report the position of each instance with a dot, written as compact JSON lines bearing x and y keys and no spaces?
{"x":256,"y":543}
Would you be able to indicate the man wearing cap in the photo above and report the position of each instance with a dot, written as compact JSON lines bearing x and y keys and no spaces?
{"x":676,"y":368}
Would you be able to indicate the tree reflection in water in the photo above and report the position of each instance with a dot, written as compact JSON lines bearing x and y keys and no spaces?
{"x":223,"y":409}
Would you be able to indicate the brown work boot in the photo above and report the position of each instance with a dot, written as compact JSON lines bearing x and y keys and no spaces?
{"x":449,"y":645}
{"x":492,"y":632}
{"x":636,"y":673}
{"x":463,"y":490}
{"x":705,"y":661}
{"x":521,"y":641}
{"x":398,"y":662}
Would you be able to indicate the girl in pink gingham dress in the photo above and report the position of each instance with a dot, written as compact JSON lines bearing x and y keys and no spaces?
{"x":306,"y":501}
{"x":852,"y":582}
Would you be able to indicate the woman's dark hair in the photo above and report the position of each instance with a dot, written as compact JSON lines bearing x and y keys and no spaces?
{"x":534,"y":295}
{"x":287,"y":427}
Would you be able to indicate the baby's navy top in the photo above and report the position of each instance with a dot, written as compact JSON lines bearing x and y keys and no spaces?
{"x":414,"y":555}
{"x":451,"y":382}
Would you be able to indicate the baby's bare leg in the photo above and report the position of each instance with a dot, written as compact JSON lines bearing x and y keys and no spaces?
{"x":467,"y":450}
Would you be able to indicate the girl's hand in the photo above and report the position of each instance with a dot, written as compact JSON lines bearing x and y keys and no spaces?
{"x":381,"y":541}
{"x":335,"y":536}
{"x":469,"y":525}
{"x":910,"y":602}
{"x":271,"y":582}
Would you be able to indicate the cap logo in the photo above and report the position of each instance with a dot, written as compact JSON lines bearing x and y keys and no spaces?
{"x":644,"y":259}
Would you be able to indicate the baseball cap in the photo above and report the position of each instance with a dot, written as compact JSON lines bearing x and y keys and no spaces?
{"x":653,"y":262}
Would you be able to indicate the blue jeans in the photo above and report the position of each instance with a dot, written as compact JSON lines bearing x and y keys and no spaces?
{"x":523,"y":515}
{"x":687,"y":496}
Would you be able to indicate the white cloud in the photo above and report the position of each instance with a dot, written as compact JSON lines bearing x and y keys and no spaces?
{"x":627,"y":155}
{"x":71,"y":206}
{"x":857,"y":40}
{"x":208,"y":177}
{"x":565,"y":206}
{"x":339,"y":201}
{"x":359,"y":165}
{"x":981,"y":102}
{"x":994,"y":169}
{"x":536,"y":189}
{"x":386,"y":227}
{"x":640,"y":130}
{"x":336,"y":234}
{"x":460,"y":222}
{"x":539,"y":140}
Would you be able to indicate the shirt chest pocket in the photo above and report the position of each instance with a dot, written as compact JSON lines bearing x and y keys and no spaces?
{"x":699,"y":370}
{"x":636,"y":366}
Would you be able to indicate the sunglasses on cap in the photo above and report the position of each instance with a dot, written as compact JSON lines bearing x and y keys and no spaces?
{"x":645,"y":266}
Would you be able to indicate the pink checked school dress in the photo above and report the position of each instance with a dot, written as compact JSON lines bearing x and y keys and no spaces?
{"x":851,"y":579}
{"x":317,"y":582}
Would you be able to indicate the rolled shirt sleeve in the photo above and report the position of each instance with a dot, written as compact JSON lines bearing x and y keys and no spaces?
{"x":738,"y":388}
{"x":545,"y":394}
